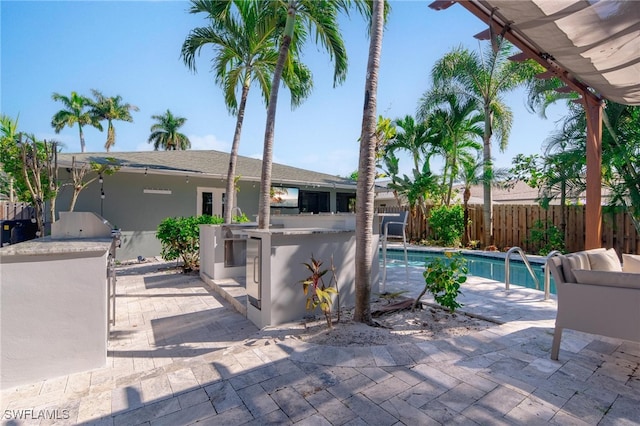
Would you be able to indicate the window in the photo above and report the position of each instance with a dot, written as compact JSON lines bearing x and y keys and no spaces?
{"x":314,"y":202}
{"x":210,"y":201}
{"x":345,"y":202}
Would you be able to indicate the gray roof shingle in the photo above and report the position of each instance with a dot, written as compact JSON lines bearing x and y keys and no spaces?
{"x":209,"y":163}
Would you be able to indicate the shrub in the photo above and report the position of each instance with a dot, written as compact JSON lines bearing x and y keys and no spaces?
{"x":180,"y":238}
{"x":443,"y":278}
{"x":546,"y":237}
{"x":317,"y":292}
{"x":447,"y":224}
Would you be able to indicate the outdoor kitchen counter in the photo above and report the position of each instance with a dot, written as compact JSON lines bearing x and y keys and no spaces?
{"x":47,"y":245}
{"x":296,"y":231}
{"x":54,"y":308}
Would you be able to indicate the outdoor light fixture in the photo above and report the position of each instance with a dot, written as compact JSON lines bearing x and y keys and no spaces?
{"x":100,"y":178}
{"x":187,"y":179}
{"x":102,"y":195}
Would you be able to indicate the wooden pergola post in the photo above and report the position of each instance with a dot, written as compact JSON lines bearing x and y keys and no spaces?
{"x":593,"y":217}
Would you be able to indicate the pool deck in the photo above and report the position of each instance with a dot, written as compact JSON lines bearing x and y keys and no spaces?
{"x":181,"y":354}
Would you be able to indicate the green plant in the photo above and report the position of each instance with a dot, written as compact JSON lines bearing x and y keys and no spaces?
{"x":443,"y":278}
{"x":546,"y":237}
{"x":447,"y":224}
{"x":320,"y":294}
{"x":180,"y":238}
{"x":242,"y":218}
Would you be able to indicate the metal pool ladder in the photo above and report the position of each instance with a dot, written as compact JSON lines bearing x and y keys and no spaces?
{"x":526,"y":262}
{"x":547,"y":273}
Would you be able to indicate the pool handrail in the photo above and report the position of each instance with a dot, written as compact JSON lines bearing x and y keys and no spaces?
{"x":526,"y":262}
{"x":547,"y":274}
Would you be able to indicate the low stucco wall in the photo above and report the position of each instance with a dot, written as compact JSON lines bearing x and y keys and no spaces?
{"x":282,"y":257}
{"x":53,"y":309}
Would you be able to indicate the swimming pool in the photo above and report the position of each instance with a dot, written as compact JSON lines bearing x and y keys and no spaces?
{"x":479,"y":266}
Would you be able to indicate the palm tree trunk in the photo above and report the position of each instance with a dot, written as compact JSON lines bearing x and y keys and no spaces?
{"x":81,"y":137}
{"x":367,"y":171}
{"x":233,"y":156}
{"x":267,"y":154}
{"x":486,"y":179}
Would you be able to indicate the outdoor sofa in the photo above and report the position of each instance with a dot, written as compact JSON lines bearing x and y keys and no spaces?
{"x":597,"y":294}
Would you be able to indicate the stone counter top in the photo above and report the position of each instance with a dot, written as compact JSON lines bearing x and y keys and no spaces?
{"x":44,"y":246}
{"x":296,"y":231}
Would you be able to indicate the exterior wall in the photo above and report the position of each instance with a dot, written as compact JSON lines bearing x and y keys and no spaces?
{"x":138,"y":214}
{"x":53,"y":313}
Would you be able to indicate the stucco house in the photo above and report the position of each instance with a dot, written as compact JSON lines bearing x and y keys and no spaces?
{"x":150,"y":186}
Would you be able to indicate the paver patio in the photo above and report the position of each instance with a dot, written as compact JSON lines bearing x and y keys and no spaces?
{"x":180,"y":354}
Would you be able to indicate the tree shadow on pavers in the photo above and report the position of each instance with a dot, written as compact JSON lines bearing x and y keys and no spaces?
{"x":171,"y":281}
{"x":221,"y":327}
{"x":515,"y":373}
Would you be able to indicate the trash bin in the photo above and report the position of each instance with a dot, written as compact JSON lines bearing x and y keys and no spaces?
{"x":17,"y":231}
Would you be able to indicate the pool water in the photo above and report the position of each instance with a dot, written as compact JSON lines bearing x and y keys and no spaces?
{"x":479,"y":266}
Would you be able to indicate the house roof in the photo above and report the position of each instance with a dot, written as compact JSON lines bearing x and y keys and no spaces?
{"x":205,"y":164}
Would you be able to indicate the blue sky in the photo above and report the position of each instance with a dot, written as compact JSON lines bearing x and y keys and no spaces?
{"x":132,"y":49}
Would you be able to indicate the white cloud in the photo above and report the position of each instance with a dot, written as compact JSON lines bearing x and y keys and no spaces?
{"x":209,"y":142}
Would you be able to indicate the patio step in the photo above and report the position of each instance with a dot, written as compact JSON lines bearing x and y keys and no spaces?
{"x":231,"y":289}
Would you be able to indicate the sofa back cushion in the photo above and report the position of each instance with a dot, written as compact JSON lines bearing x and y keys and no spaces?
{"x":608,"y":278}
{"x":630,"y":263}
{"x":578,"y":260}
{"x":604,"y":261}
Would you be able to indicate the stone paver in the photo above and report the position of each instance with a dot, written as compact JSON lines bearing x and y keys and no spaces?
{"x":180,"y":354}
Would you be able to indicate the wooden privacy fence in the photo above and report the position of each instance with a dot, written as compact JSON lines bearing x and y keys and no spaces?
{"x":15,"y":211}
{"x":512,"y":224}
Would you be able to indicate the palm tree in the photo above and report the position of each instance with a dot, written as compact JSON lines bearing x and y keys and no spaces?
{"x":322,"y":17}
{"x":456,"y":124}
{"x":111,"y":109}
{"x":76,"y":112}
{"x":165,"y":134}
{"x":485,"y":77}
{"x":245,"y":46}
{"x":413,"y":137}
{"x":471,"y":173}
{"x":367,"y":170}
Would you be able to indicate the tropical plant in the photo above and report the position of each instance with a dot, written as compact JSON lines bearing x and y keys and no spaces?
{"x":165,"y":133}
{"x":77,"y":111}
{"x":79,"y":172}
{"x":110,"y":109}
{"x":322,"y":18}
{"x":367,"y":169}
{"x":317,"y":292}
{"x":8,"y":135}
{"x":485,"y":77}
{"x":180,"y":238}
{"x":245,"y":46}
{"x":456,"y":126}
{"x":443,"y":279}
{"x":447,"y":224}
{"x":545,"y":237}
{"x":415,"y":139}
{"x":36,"y":164}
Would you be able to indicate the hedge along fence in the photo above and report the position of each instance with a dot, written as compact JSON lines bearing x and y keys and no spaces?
{"x":512,"y":224}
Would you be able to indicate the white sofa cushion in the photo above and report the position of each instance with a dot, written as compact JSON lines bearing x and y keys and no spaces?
{"x":577,"y":260}
{"x":607,"y":261}
{"x":630,"y":263}
{"x":608,"y":278}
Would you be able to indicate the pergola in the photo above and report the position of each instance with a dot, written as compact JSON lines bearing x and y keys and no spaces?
{"x":593,"y":46}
